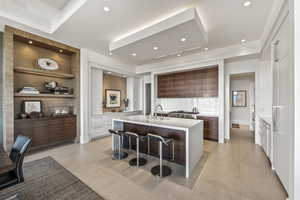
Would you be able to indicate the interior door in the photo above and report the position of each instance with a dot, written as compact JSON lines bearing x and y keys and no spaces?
{"x":282,"y":101}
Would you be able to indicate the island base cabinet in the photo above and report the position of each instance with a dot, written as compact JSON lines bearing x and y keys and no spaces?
{"x":211,"y":127}
{"x":46,"y":131}
{"x":177,"y":135}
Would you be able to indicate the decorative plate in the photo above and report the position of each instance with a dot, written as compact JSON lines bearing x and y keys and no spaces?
{"x":47,"y":64}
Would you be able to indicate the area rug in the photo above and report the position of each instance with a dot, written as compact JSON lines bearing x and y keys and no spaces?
{"x":46,"y":179}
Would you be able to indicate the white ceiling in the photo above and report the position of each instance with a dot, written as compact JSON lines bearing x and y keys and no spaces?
{"x":226,"y":23}
{"x":42,"y":15}
{"x":165,"y":36}
{"x":58,"y":4}
{"x":168,"y":43}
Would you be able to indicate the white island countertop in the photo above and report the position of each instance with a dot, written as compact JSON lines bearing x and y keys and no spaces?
{"x":165,"y":122}
{"x":190,"y":145}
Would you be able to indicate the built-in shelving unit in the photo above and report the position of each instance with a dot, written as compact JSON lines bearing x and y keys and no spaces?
{"x":45,"y":95}
{"x":23,"y":50}
{"x":43,"y":73}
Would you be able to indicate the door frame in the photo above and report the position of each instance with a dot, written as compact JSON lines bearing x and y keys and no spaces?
{"x":228,"y":102}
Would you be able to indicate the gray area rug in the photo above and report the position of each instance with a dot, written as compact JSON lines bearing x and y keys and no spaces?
{"x":46,"y":179}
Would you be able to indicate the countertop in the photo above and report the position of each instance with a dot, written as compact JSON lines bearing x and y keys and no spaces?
{"x":165,"y":122}
{"x":198,"y":115}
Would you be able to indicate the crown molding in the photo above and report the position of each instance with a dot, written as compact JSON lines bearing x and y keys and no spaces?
{"x":279,"y":11}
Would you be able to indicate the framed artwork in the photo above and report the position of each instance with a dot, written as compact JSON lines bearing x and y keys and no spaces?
{"x":239,"y":98}
{"x":30,"y":106}
{"x":113,"y":98}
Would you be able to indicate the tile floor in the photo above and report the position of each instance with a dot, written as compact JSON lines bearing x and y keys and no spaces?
{"x":236,"y":170}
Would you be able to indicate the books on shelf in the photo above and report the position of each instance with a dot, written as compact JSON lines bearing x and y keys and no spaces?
{"x":29,"y":90}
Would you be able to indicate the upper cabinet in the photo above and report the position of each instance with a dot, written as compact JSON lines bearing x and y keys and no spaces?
{"x":196,"y":83}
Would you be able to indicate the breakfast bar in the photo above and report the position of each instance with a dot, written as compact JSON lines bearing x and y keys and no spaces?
{"x":186,"y":133}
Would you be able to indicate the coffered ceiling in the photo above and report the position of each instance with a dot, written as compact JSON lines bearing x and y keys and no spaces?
{"x":99,"y":24}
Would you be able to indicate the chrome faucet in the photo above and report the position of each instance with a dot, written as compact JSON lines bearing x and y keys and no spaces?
{"x":195,"y":110}
{"x":156,"y":109}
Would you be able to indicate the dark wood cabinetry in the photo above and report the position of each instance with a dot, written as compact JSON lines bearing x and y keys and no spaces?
{"x":196,"y":83}
{"x":211,"y":127}
{"x":47,"y":131}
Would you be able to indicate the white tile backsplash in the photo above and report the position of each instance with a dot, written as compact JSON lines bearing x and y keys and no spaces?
{"x":209,"y":106}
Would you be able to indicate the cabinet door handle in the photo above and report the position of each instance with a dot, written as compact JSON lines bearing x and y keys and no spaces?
{"x":275,"y":50}
{"x":275,"y":118}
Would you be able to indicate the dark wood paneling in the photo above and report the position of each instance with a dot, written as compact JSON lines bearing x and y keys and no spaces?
{"x":47,"y":131}
{"x":196,"y":83}
{"x":211,"y":127}
{"x":178,"y":136}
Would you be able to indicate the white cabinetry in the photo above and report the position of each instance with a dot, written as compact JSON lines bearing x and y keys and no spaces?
{"x":282,"y":104}
{"x":100,"y":124}
{"x":266,"y":140}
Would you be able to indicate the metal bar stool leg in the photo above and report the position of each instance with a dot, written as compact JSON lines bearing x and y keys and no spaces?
{"x":161,"y":170}
{"x":138,"y":161}
{"x":120,"y":138}
{"x":148,"y":146}
{"x":119,"y":155}
{"x":137,"y":152}
{"x":160,"y":160}
{"x":173,"y":148}
{"x":129,"y":140}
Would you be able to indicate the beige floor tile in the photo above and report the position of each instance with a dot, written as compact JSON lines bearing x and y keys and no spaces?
{"x":236,"y":170}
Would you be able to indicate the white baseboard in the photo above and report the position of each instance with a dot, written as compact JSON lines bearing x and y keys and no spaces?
{"x":84,"y":140}
{"x":241,"y":122}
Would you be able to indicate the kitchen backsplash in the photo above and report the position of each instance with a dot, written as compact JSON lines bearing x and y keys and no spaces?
{"x":205,"y":105}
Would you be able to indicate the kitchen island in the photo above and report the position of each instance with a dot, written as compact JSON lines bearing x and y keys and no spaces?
{"x":187,"y":133}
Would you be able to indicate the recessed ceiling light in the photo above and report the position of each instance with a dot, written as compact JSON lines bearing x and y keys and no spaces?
{"x":106,"y":8}
{"x":155,"y":48}
{"x":30,"y":42}
{"x":178,"y":55}
{"x":60,"y":50}
{"x":243,"y":40}
{"x":247,"y":3}
{"x":124,"y":76}
{"x":183,"y":39}
{"x":109,"y":72}
{"x":110,"y":53}
{"x":134,"y":54}
{"x":206,"y":49}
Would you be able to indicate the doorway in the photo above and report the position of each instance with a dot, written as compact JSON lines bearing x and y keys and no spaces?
{"x":242,"y":101}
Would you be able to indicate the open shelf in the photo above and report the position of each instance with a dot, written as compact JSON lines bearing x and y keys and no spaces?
{"x":43,"y":73}
{"x":45,"y":95}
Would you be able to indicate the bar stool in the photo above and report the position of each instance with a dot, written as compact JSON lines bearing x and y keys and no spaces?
{"x":138,"y":161}
{"x":119,"y":155}
{"x":161,"y":170}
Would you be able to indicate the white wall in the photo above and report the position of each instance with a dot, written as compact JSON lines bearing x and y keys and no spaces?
{"x":241,"y":115}
{"x":92,"y":66}
{"x":295,"y":42}
{"x":145,"y":78}
{"x":134,"y":90}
